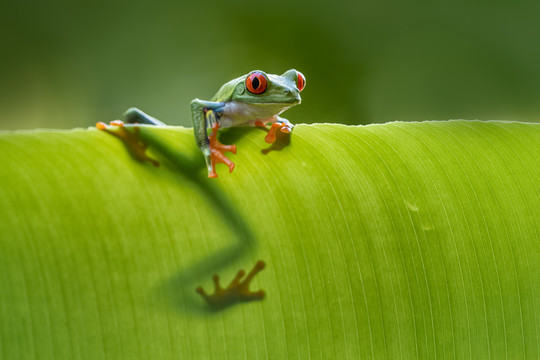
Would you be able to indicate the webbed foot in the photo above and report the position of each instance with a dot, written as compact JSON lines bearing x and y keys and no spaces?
{"x":130,"y":138}
{"x":217,"y":151}
{"x":283,"y":126}
{"x":237,"y":290}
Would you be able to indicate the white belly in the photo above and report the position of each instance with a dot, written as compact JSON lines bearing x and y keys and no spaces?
{"x":241,"y":114}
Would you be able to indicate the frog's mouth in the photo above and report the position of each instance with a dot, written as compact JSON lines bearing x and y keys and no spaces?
{"x":284,"y":104}
{"x":281,"y":106}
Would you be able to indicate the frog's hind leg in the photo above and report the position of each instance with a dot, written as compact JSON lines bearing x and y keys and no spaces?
{"x":130,"y":138}
{"x":137,"y":116}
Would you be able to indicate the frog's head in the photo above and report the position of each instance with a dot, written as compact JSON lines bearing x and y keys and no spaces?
{"x":257,"y":87}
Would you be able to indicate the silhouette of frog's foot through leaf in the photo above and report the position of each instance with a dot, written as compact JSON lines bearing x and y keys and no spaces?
{"x":137,"y":148}
{"x":237,"y":291}
{"x":138,"y":138}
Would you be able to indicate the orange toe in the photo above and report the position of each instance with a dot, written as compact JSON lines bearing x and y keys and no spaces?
{"x":271,"y":136}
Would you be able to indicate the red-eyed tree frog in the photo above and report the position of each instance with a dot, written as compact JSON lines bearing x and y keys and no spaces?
{"x":255,"y":99}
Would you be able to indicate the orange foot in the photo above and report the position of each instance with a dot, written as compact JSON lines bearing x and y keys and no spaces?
{"x":259,"y":123}
{"x":282,"y":126}
{"x":130,"y":138}
{"x":217,"y":151}
{"x":236,"y":291}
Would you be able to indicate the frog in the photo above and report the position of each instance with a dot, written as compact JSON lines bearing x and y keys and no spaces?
{"x":254,"y":99}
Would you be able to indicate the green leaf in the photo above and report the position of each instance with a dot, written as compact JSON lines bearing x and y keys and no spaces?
{"x":414,"y":240}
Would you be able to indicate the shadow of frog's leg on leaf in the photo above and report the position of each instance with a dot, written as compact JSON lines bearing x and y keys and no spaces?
{"x":179,"y":288}
{"x":130,"y":138}
{"x":237,"y":291}
{"x":137,"y":139}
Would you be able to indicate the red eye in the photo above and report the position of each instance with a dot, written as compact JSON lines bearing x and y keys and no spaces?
{"x":301,"y":82}
{"x":256,"y":83}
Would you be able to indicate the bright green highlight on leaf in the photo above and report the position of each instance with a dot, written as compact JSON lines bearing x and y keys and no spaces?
{"x":398,"y":240}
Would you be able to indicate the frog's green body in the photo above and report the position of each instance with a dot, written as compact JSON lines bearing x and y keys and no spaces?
{"x":256,"y":98}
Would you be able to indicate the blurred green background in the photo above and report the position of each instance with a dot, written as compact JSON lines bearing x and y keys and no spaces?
{"x":67,"y":63}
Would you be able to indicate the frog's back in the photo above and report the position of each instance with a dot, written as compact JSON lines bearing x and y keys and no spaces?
{"x":225,"y":93}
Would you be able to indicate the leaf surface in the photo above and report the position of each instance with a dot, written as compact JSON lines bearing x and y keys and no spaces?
{"x":397,"y":240}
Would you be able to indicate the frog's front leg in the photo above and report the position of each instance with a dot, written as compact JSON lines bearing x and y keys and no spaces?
{"x":206,"y":114}
{"x":278,"y":122}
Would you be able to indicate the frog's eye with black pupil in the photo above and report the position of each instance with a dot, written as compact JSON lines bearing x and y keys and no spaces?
{"x":256,"y":83}
{"x":301,"y":81}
